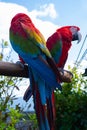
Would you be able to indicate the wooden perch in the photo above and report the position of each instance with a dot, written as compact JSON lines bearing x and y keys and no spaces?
{"x":12,"y":69}
{"x":15,"y":70}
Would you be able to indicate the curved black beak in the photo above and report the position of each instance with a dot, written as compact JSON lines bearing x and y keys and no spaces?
{"x":77,"y":36}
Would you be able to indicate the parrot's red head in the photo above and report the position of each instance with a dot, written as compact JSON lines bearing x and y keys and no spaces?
{"x":21,"y":17}
{"x":70,"y":33}
{"x":18,"y":21}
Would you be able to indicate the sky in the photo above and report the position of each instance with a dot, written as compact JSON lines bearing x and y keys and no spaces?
{"x":47,"y":15}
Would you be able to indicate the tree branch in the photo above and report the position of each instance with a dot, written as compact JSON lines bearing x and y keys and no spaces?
{"x":12,"y":69}
{"x":15,"y":70}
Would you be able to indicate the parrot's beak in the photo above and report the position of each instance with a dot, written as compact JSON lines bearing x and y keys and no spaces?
{"x":77,"y":36}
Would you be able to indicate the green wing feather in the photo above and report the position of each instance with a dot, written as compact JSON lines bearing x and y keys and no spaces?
{"x":37,"y":38}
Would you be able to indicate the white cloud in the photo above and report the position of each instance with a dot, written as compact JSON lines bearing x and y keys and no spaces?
{"x":8,"y":10}
{"x":45,"y":10}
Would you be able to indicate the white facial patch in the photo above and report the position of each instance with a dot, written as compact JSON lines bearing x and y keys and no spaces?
{"x":73,"y":30}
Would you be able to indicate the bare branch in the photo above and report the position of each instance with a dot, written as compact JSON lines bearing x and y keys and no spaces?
{"x":15,"y":70}
{"x":12,"y":69}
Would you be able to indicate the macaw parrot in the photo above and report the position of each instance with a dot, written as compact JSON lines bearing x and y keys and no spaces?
{"x":59,"y":44}
{"x":30,"y":45}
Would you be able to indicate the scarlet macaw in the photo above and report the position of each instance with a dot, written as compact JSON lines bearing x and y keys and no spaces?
{"x":30,"y":44}
{"x":60,"y":41}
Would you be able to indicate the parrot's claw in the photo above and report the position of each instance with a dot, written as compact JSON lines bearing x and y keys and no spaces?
{"x":20,"y":64}
{"x":66,"y":76}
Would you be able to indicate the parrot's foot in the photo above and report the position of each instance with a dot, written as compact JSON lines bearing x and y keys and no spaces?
{"x":20,"y":64}
{"x":65,"y":76}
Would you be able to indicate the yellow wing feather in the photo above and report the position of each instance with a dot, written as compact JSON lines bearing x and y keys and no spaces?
{"x":38,"y":37}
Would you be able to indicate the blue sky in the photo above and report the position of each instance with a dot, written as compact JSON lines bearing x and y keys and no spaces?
{"x":70,"y":11}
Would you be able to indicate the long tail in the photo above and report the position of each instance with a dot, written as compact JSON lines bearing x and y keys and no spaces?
{"x":41,"y":111}
{"x":51,"y":113}
{"x":40,"y":108}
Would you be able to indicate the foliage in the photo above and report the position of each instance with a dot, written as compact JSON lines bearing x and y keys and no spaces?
{"x":8,"y":116}
{"x":33,"y":118}
{"x":71,"y":104}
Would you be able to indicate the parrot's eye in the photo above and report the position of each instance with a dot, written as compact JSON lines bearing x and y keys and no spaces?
{"x":21,"y":20}
{"x":73,"y":30}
